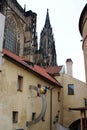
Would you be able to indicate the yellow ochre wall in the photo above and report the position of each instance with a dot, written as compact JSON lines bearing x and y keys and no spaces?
{"x":24,"y":102}
{"x":71,"y":101}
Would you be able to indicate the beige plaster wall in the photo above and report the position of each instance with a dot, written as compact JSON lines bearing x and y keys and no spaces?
{"x":71,"y":101}
{"x":84,"y":46}
{"x":24,"y":102}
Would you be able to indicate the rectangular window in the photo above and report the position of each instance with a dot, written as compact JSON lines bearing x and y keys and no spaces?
{"x":33,"y":115}
{"x":70,"y":89}
{"x":85,"y":102}
{"x":15,"y":116}
{"x":20,"y":83}
{"x":58,"y":96}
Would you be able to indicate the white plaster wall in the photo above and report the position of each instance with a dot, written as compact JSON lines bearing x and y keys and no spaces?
{"x":2,"y":24}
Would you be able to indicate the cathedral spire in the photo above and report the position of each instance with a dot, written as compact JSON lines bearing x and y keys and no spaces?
{"x":47,"y":45}
{"x":47,"y":21}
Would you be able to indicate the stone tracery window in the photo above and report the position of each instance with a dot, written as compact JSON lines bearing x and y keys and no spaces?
{"x":11,"y":34}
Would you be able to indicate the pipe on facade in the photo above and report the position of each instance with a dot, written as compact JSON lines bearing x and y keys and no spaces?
{"x":51,"y":106}
{"x":50,"y":109}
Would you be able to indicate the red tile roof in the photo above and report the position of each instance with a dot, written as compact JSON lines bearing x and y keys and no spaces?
{"x":54,"y":70}
{"x":36,"y":69}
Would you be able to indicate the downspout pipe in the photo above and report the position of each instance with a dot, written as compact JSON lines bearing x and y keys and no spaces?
{"x":50,"y":109}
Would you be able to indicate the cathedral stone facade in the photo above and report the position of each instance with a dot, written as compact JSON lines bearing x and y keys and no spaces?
{"x":47,"y":45}
{"x":20,"y":35}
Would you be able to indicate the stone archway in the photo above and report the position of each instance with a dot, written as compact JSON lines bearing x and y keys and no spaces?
{"x":83,"y":118}
{"x":76,"y":125}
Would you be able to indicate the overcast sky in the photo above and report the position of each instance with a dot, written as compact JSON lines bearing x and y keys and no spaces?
{"x":64,"y":18}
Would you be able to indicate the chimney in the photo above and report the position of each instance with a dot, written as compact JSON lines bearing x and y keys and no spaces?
{"x":25,"y":7}
{"x":69,"y":66}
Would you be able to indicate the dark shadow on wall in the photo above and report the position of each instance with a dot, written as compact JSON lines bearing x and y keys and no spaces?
{"x":76,"y":125}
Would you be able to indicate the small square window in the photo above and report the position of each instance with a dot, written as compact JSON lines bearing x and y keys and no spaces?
{"x":15,"y":116}
{"x":70,"y":89}
{"x":20,"y":83}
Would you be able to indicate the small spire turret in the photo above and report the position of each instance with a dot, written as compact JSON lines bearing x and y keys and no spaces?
{"x":47,"y":21}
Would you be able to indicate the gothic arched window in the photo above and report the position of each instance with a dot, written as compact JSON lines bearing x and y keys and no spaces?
{"x":11,"y":34}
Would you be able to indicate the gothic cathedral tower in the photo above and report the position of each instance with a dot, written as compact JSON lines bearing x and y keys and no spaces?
{"x":47,"y":45}
{"x":20,"y":36}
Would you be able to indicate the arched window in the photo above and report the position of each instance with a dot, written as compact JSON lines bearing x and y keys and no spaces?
{"x":11,"y":35}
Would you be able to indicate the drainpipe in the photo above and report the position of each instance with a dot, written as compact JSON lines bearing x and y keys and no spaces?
{"x":50,"y":109}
